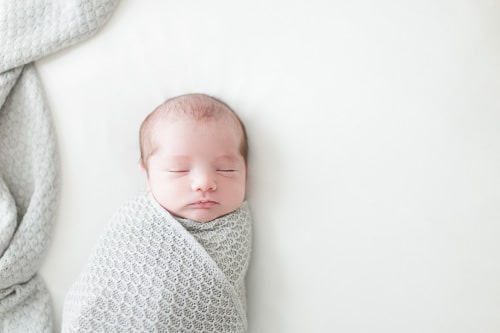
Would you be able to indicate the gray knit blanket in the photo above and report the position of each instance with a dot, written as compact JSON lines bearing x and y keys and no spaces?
{"x":29,"y":30}
{"x":152,"y":272}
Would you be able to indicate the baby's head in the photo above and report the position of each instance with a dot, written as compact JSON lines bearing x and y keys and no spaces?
{"x":194,"y":152}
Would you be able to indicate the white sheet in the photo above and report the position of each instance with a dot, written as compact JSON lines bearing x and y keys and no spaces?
{"x":375,"y":150}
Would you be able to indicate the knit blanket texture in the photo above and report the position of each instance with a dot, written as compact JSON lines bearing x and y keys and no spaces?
{"x":152,"y":272}
{"x":29,"y":168}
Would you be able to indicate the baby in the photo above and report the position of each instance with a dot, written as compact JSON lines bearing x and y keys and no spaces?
{"x":174,"y":258}
{"x":194,"y":152}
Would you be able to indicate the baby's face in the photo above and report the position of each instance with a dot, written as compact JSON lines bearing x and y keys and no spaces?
{"x":197,"y":171}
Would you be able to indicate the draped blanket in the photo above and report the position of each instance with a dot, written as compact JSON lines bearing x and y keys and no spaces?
{"x":29,"y":30}
{"x":152,"y":272}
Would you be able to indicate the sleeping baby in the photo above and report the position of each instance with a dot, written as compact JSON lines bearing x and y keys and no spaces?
{"x":174,"y":258}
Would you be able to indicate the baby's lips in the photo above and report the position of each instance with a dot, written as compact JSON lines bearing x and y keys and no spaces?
{"x":204,"y":204}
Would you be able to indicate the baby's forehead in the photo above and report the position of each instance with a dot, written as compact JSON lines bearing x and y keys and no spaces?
{"x":180,"y":137}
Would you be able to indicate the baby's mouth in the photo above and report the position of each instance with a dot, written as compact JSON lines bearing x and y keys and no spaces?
{"x":203,"y":204}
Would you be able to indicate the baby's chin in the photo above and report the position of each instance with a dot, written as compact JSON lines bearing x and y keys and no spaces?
{"x":205,"y":215}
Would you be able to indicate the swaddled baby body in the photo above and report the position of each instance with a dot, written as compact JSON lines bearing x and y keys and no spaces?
{"x":174,"y":258}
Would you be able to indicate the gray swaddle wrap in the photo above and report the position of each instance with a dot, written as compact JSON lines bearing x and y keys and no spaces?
{"x":29,"y":166}
{"x":152,"y":272}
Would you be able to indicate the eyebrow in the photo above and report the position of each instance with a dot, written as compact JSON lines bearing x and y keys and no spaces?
{"x":230,"y":158}
{"x":178,"y":157}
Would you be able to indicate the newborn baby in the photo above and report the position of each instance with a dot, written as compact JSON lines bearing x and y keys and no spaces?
{"x":174,"y":258}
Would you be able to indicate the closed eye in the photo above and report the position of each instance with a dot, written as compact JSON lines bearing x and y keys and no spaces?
{"x":226,"y":170}
{"x":178,"y":171}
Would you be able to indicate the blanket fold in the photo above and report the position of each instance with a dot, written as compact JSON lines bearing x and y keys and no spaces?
{"x":152,"y":272}
{"x":29,"y":168}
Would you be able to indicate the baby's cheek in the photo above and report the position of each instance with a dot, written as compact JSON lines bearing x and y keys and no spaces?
{"x":239,"y":189}
{"x":162,"y":191}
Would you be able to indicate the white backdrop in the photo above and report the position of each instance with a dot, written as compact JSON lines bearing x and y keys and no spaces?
{"x":375,"y":150}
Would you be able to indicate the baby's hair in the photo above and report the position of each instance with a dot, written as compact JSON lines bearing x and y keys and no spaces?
{"x":198,"y":107}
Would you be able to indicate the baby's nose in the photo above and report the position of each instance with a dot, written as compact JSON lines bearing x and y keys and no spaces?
{"x":203,"y":182}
